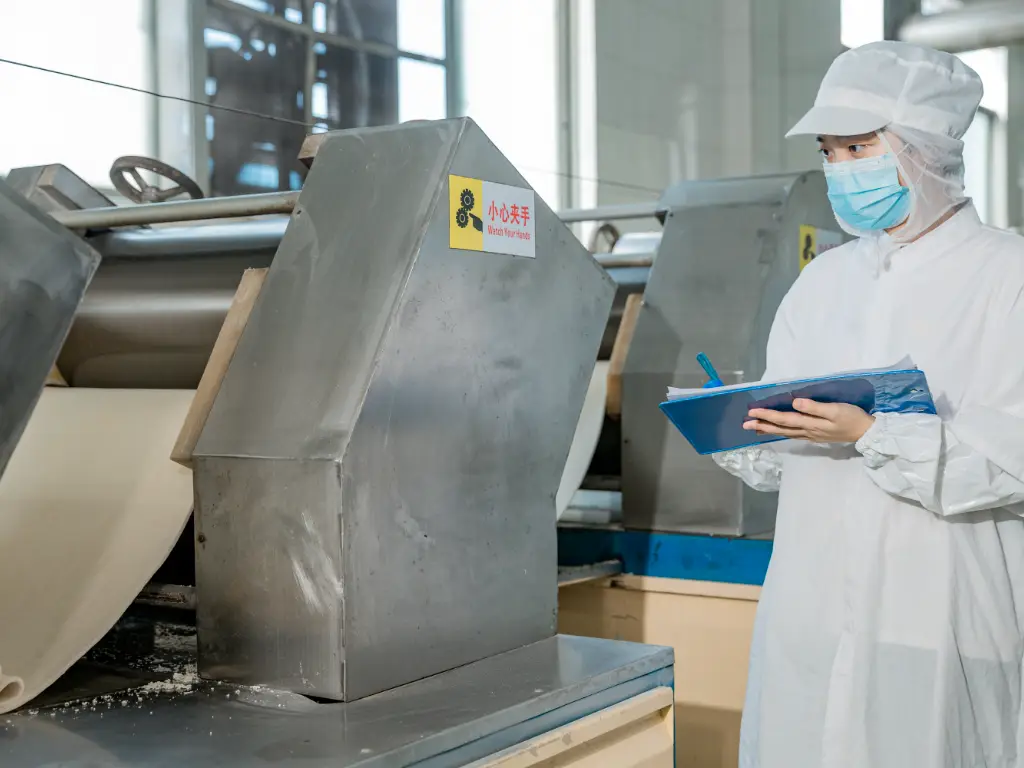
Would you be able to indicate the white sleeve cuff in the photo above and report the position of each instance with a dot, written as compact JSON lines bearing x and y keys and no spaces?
{"x":877,"y":445}
{"x":913,"y":438}
{"x":760,"y":467}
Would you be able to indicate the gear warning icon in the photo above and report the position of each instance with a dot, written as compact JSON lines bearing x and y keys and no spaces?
{"x":467,"y":201}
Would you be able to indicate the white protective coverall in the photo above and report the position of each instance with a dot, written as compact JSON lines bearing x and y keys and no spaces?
{"x":890,"y":630}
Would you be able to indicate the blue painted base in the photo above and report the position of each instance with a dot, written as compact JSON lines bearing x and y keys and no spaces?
{"x":668,"y":555}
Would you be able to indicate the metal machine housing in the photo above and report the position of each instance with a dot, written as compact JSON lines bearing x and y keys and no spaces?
{"x":375,"y":483}
{"x":44,"y":273}
{"x":729,"y":252}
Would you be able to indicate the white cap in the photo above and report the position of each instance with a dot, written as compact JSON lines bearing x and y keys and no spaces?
{"x":898,"y":84}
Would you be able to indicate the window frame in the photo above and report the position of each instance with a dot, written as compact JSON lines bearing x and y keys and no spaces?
{"x":450,"y":61}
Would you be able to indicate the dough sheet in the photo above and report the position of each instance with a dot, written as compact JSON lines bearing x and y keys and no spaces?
{"x":90,"y":506}
{"x":584,"y":443}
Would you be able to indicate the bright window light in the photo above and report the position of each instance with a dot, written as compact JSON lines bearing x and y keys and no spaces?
{"x":53,"y":119}
{"x":510,"y":89}
{"x":421,"y":91}
{"x":992,"y":65}
{"x":421,"y":27}
{"x":862,"y":22}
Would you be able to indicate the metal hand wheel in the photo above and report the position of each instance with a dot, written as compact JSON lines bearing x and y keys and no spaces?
{"x":141,"y":191}
{"x":608,"y":233}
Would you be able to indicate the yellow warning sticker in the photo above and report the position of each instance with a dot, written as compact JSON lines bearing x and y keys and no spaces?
{"x":491,"y":217}
{"x":466,"y":226}
{"x":814,"y":242}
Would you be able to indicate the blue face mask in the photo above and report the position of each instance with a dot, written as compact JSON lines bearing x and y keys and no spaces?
{"x":867,"y":194}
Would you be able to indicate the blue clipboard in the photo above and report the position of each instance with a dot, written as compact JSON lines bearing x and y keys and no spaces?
{"x":712,"y":419}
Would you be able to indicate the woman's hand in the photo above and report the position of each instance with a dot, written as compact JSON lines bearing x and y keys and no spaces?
{"x":814,"y":422}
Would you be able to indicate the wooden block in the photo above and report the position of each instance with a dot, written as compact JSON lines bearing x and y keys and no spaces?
{"x":310,"y":145}
{"x":54,"y":379}
{"x":223,"y":350}
{"x":613,"y":405}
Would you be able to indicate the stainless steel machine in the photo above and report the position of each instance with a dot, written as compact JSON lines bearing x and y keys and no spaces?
{"x":374,"y":540}
{"x":729,"y":251}
{"x":725,"y":255}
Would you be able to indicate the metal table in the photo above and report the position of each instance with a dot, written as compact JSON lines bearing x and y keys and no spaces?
{"x":446,"y":720}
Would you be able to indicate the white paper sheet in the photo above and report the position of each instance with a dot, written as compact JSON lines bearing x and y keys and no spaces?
{"x":676,"y":393}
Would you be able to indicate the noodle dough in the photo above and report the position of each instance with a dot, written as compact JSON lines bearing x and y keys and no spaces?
{"x":90,"y":506}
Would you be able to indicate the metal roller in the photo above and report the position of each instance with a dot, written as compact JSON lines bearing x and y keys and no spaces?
{"x":153,"y":311}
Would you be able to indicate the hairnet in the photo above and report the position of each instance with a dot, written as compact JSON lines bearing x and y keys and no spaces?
{"x":932,"y":168}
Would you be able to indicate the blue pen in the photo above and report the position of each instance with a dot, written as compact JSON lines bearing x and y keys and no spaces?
{"x":709,"y":369}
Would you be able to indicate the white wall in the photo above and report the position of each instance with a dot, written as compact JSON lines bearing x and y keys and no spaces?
{"x":691,"y":89}
{"x":52,"y":119}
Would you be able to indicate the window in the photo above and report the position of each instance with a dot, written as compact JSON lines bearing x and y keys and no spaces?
{"x":48,"y":118}
{"x":510,"y":85}
{"x":314,"y":65}
{"x":862,"y":22}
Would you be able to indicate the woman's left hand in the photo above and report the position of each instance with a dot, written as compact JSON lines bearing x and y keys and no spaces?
{"x":814,"y":422}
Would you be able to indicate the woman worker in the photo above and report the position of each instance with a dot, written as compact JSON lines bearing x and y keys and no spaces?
{"x":890,"y":630}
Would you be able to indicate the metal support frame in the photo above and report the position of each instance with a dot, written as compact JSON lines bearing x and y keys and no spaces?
{"x":179,"y":128}
{"x":188,"y":210}
{"x":454,"y":87}
{"x":564,"y":111}
{"x":337,"y":41}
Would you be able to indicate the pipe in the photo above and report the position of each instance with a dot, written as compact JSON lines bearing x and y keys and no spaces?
{"x":271,"y":203}
{"x":988,"y":24}
{"x":250,"y":237}
{"x":610,"y":212}
{"x":258,"y":236}
{"x":187,"y":210}
{"x":624,"y":260}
